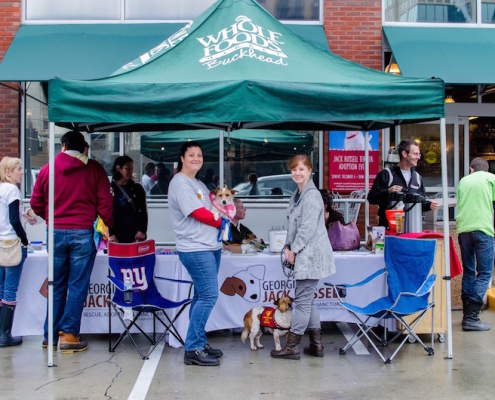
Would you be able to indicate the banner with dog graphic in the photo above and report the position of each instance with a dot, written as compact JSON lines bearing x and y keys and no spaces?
{"x":244,"y":282}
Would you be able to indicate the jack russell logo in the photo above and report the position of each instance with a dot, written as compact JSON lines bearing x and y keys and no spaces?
{"x":242,"y":39}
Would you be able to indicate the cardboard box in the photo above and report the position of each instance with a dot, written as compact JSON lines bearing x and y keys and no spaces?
{"x":235,"y":248}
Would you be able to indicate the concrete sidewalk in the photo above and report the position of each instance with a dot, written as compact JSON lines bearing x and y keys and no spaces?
{"x":244,"y":374}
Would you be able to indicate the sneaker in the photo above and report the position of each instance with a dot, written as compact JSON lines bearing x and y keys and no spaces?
{"x":217,"y":353}
{"x":199,"y":357}
{"x":70,"y":343}
{"x":45,"y":344}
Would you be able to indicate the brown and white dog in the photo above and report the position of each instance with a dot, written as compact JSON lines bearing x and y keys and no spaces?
{"x":222,"y":201}
{"x":268,"y":319}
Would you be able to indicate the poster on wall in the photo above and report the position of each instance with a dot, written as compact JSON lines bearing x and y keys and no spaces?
{"x":346,"y":160}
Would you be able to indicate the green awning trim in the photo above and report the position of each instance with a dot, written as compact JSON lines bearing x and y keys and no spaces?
{"x":456,"y":55}
{"x":92,"y":51}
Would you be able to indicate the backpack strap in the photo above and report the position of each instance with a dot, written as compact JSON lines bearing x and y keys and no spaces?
{"x":390,"y":176}
{"x":418,"y":178}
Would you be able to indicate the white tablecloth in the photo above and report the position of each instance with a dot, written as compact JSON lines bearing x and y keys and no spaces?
{"x":261,"y":275}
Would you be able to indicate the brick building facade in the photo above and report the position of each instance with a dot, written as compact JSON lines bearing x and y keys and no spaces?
{"x":353,"y":30}
{"x":10,"y":20}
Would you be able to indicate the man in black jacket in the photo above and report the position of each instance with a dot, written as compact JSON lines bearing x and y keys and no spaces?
{"x":239,"y":231}
{"x":399,"y":178}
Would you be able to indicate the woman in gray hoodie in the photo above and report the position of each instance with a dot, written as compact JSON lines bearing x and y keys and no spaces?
{"x":307,"y":247}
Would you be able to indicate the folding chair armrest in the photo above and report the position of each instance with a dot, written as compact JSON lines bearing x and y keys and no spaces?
{"x":357,"y":284}
{"x":172,"y":280}
{"x":117,"y":282}
{"x":190,"y":283}
{"x":423,"y":290}
{"x":427,"y":285}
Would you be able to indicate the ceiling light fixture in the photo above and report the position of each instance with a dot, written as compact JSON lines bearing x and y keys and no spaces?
{"x":449,"y":99}
{"x":392,"y":67}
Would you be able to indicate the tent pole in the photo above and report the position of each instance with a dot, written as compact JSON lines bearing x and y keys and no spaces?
{"x":320,"y":159}
{"x":51,"y":208}
{"x":221,"y":153}
{"x":366,"y":180}
{"x":22,"y":128}
{"x":446,"y":234}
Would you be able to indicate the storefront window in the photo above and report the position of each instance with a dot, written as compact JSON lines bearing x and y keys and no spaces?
{"x":429,"y":166}
{"x":104,"y":147}
{"x":432,"y":11}
{"x":482,"y":134}
{"x":488,"y":12}
{"x":261,"y":152}
{"x":72,"y":10}
{"x":163,"y":150}
{"x":261,"y":156}
{"x":36,"y":134}
{"x":155,"y":10}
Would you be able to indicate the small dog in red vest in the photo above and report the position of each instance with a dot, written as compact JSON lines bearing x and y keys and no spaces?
{"x":275,"y":320}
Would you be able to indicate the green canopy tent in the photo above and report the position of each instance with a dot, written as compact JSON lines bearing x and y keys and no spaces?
{"x":234,"y":67}
{"x":237,"y":67}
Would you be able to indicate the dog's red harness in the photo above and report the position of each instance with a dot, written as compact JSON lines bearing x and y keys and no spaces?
{"x":267,"y":320}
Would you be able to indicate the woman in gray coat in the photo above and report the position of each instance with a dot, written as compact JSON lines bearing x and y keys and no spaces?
{"x":307,"y":247}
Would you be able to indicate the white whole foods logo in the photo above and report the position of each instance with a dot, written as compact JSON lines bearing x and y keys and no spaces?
{"x":242,"y":39}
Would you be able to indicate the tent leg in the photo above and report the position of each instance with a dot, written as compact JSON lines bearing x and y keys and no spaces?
{"x":51,"y":208}
{"x":446,"y":234}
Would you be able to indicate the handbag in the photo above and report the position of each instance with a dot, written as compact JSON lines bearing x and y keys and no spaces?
{"x":344,"y":237}
{"x":10,"y":252}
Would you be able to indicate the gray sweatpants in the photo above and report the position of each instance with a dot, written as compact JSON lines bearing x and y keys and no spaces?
{"x":305,"y":315}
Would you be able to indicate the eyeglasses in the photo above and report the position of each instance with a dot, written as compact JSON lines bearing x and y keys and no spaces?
{"x":416,"y":154}
{"x":128,"y":168}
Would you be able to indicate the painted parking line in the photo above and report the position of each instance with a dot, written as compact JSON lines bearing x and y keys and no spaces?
{"x":348,"y":333}
{"x":143,"y":381}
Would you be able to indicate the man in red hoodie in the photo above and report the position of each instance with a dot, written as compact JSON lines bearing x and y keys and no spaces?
{"x":82,"y":192}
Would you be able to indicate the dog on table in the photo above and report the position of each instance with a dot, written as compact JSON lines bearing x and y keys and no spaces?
{"x":222,"y":201}
{"x":276,"y":320}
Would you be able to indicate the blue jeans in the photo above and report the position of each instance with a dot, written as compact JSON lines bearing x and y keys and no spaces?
{"x":9,"y":280}
{"x":203,"y":267}
{"x":74,"y":257}
{"x":477,"y":252}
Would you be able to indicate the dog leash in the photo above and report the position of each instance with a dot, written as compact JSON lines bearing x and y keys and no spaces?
{"x":225,"y":223}
{"x":287,"y":267}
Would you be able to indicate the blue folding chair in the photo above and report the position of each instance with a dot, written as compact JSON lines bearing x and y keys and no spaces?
{"x":136,"y":261}
{"x":408,"y":264}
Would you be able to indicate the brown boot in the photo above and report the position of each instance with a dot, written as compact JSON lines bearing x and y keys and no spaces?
{"x":291,"y":349}
{"x":70,"y":344}
{"x":315,"y":347}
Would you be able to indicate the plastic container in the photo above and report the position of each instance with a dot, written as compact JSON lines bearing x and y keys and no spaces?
{"x":276,"y":239}
{"x":37,"y":245}
{"x":392,"y":221}
{"x":128,"y":290}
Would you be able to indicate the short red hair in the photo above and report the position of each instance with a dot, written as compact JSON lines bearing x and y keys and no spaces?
{"x":304,"y":158}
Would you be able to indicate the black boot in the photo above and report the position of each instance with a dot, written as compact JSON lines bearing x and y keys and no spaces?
{"x":6,"y":319}
{"x":471,"y":320}
{"x":291,"y":349}
{"x":315,"y":347}
{"x":199,"y":357}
